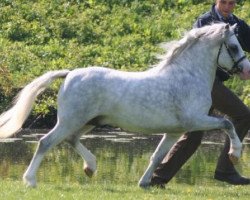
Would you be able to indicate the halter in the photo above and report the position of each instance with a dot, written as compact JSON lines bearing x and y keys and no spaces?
{"x":235,"y":68}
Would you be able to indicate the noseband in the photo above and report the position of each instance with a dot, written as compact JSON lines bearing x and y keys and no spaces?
{"x":235,"y":68}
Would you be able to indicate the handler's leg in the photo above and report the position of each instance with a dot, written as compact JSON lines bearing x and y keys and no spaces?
{"x":227,"y":102}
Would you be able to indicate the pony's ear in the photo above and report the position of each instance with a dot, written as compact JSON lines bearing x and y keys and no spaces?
{"x":234,"y":26}
{"x":226,"y":31}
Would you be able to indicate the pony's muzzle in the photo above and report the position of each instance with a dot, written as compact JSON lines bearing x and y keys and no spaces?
{"x":245,"y":74}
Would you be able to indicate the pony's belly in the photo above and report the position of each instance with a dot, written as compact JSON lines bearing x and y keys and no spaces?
{"x":150,"y":129}
{"x":147,"y":127}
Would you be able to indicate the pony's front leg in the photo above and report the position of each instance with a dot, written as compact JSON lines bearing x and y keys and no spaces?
{"x":210,"y":123}
{"x":235,"y":143}
{"x":155,"y":160}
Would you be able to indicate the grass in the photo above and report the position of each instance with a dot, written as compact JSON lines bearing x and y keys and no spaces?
{"x":16,"y":190}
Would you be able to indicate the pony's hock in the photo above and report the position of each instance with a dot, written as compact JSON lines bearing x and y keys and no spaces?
{"x":174,"y":96}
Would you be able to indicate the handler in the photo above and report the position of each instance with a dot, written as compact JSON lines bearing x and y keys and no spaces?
{"x":223,"y":100}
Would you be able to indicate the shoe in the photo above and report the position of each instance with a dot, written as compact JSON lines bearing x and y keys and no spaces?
{"x":157,"y":182}
{"x":232,"y":178}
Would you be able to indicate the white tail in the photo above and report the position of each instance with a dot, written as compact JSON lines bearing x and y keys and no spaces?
{"x":12,"y":120}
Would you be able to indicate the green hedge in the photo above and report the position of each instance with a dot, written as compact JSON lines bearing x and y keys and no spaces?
{"x":41,"y":35}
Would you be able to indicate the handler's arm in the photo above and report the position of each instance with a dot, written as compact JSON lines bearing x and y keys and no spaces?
{"x":244,"y":36}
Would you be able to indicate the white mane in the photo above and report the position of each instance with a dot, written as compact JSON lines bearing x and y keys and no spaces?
{"x":175,"y":48}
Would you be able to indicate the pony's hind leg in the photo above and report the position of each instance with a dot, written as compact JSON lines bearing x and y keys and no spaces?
{"x":155,"y":160}
{"x":55,"y":136}
{"x":88,"y":157}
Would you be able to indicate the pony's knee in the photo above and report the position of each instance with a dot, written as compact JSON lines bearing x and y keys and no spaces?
{"x":72,"y":141}
{"x":228,"y":125}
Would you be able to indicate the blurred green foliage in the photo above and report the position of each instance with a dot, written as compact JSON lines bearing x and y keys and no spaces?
{"x":41,"y":35}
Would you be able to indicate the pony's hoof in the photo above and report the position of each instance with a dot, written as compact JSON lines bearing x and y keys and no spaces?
{"x":31,"y":183}
{"x":233,"y":158}
{"x":88,"y":172}
{"x":144,"y":185}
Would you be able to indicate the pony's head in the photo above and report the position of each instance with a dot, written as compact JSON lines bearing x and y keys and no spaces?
{"x":230,"y":56}
{"x":219,"y":38}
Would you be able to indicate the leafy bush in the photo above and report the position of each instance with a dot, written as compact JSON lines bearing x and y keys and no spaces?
{"x":40,"y":35}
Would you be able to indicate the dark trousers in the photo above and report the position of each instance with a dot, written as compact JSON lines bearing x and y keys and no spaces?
{"x":225,"y":101}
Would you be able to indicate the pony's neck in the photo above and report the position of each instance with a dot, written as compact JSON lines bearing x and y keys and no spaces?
{"x":199,"y":60}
